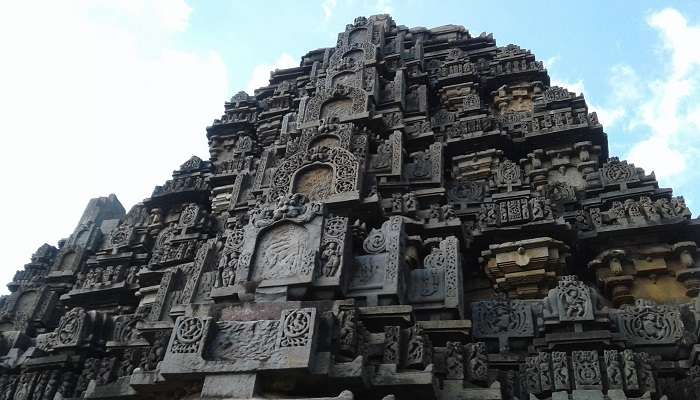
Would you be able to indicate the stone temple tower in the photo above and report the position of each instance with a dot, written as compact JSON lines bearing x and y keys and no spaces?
{"x":409,"y":214}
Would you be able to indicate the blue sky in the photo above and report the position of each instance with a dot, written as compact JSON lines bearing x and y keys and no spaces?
{"x":100,"y":97}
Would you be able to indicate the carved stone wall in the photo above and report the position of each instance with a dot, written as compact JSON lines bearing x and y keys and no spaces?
{"x":410,"y":213}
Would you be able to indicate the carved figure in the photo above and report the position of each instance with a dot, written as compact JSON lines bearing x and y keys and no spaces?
{"x":331,"y":259}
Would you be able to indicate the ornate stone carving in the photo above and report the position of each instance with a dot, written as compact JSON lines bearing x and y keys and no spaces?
{"x":120,"y":236}
{"x":392,"y":345}
{"x":533,"y":375}
{"x":613,"y":369}
{"x":477,"y":362}
{"x":71,"y":328}
{"x":454,"y":360}
{"x":586,"y":369}
{"x":616,"y":171}
{"x":295,"y":328}
{"x":333,"y":247}
{"x":437,"y":284}
{"x":648,"y":323}
{"x":560,"y":192}
{"x":348,"y":332}
{"x":556,"y":93}
{"x":571,"y":300}
{"x":646,"y":374}
{"x":560,"y":369}
{"x":188,"y":335}
{"x":344,"y":165}
{"x":466,"y":191}
{"x":234,"y":340}
{"x":630,"y":370}
{"x":502,"y":320}
{"x":515,"y":211}
{"x":418,"y":349}
{"x":336,"y":100}
{"x":381,"y":272}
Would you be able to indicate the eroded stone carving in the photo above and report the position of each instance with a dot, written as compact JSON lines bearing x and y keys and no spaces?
{"x":648,"y":323}
{"x":502,"y":320}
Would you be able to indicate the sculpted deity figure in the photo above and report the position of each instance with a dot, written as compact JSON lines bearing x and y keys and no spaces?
{"x":331,"y":259}
{"x":423,"y":164}
{"x":575,"y":304}
{"x":653,"y":325}
{"x":226,"y":269}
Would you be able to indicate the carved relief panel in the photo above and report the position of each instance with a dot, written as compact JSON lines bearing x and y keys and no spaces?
{"x":571,"y":300}
{"x":206,"y":345}
{"x":502,"y":320}
{"x":388,"y":161}
{"x":281,"y":245}
{"x":335,"y":256}
{"x":326,"y":173}
{"x":380,"y":274}
{"x":340,"y":102}
{"x":437,"y":286}
{"x":646,"y":323}
{"x":426,"y":166}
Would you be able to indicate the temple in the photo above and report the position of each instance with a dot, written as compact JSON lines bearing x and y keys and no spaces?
{"x":410,"y":214}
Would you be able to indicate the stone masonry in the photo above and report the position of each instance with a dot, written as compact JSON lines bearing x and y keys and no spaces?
{"x":410,"y":214}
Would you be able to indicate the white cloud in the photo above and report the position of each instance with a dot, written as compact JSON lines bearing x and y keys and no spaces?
{"x":625,"y":88}
{"x":672,"y":101}
{"x":328,"y":6}
{"x":549,"y":63}
{"x":657,"y":153}
{"x":96,"y":98}
{"x":261,"y":72}
{"x":608,"y":117}
{"x":625,"y":83}
{"x":621,"y":81}
{"x":576,"y":87}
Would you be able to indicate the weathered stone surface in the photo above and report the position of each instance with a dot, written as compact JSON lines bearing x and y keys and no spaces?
{"x":409,"y":214}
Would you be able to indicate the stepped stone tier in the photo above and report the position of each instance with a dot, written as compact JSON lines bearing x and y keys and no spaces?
{"x":410,"y":214}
